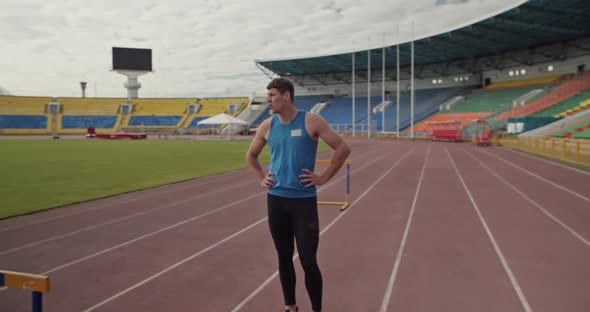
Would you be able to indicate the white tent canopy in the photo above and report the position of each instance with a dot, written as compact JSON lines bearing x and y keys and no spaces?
{"x":222,"y":119}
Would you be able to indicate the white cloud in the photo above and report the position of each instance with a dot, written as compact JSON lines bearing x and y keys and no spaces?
{"x":200,"y":48}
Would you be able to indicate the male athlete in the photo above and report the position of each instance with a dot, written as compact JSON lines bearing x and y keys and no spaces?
{"x":292,"y":136}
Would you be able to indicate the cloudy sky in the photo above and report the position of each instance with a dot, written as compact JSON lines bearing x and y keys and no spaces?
{"x":201,"y":47}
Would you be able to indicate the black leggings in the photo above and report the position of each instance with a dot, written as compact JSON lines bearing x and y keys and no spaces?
{"x":297,"y":218}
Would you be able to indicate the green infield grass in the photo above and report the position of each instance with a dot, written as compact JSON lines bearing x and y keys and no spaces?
{"x":41,"y":174}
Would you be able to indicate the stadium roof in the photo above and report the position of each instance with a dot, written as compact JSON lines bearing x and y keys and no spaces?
{"x":544,"y":29}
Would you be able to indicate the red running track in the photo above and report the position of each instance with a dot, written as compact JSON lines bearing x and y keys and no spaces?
{"x":432,"y":227}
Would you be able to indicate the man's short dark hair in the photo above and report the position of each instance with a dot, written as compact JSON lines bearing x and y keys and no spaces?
{"x":282,"y":85}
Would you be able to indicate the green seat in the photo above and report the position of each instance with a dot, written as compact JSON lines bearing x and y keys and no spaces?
{"x":583,"y":135}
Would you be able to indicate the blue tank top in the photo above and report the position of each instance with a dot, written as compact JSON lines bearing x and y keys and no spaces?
{"x":291,"y":149}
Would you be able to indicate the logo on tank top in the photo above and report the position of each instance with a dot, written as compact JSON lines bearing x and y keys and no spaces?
{"x":296,"y":132}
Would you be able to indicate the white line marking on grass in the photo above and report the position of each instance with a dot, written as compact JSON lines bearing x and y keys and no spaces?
{"x":150,"y":194}
{"x":119,"y":294}
{"x":539,"y":177}
{"x":119,"y":219}
{"x":398,"y":257}
{"x":513,"y":280}
{"x":276,"y":273}
{"x":574,"y":233}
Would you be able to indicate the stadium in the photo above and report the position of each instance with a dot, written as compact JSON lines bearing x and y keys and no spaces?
{"x":467,"y":189}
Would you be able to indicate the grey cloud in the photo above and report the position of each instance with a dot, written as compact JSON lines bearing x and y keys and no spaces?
{"x":445,"y":2}
{"x":201,"y":48}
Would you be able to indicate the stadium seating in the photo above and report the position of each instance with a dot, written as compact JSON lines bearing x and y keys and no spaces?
{"x":154,"y":121}
{"x":572,"y":130}
{"x":78,"y":114}
{"x":339,"y":110}
{"x":215,"y":106}
{"x":23,"y":122}
{"x":583,"y":134}
{"x":195,"y":121}
{"x":464,"y":118}
{"x":84,"y":122}
{"x":529,"y":82}
{"x":20,"y":114}
{"x":22,"y":105}
{"x":489,"y":100}
{"x":90,"y":106}
{"x":559,"y":94}
{"x":260,"y":119}
{"x":427,"y":102}
{"x":568,"y":107}
{"x":154,"y":107}
{"x":156,"y":113}
{"x":307,"y":102}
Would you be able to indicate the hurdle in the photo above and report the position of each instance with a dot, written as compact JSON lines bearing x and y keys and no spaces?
{"x":343,"y":204}
{"x":38,"y":284}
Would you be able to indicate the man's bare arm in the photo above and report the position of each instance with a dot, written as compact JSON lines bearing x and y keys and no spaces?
{"x":254,"y":150}
{"x":341,"y":151}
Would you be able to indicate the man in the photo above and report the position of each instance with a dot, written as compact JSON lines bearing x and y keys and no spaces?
{"x":291,"y":182}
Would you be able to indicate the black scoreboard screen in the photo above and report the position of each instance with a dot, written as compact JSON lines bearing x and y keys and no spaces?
{"x":132,"y":59}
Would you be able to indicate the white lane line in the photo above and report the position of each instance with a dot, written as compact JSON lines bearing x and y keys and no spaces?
{"x":169,"y":227}
{"x":513,"y":280}
{"x":544,"y":160}
{"x":400,"y":251}
{"x":539,"y":177}
{"x":53,"y":238}
{"x":145,"y":236}
{"x":276,"y":273}
{"x":119,"y":294}
{"x":574,"y":233}
{"x":129,"y":217}
{"x":150,"y":193}
{"x":194,"y":218}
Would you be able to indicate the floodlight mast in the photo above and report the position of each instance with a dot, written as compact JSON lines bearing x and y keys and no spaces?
{"x":83,"y":86}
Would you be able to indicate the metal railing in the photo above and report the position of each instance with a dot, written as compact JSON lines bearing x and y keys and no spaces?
{"x":575,"y":151}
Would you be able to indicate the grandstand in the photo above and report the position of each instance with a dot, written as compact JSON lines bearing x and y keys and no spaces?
{"x":521,"y":63}
{"x":160,"y":114}
{"x":21,"y":115}
{"x":508,"y":60}
{"x":31,"y":115}
{"x":535,"y":81}
{"x":561,"y":93}
{"x":78,"y":114}
{"x":489,"y":101}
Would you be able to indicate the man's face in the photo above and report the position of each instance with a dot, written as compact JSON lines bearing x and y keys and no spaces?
{"x":276,"y":100}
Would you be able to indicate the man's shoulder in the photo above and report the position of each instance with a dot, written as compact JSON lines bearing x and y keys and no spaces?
{"x":314,"y":119}
{"x":266,"y":122}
